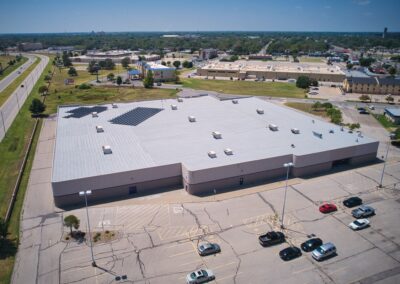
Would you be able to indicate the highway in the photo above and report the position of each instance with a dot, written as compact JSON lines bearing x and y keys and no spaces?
{"x":17,"y":72}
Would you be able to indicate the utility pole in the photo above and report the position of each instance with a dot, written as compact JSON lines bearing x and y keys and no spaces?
{"x":287,"y":166}
{"x":85,"y":194}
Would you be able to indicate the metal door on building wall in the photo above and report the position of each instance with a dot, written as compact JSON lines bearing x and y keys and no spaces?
{"x":241,"y":180}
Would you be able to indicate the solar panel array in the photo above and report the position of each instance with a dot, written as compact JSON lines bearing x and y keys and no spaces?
{"x":84,"y":111}
{"x":135,"y":116}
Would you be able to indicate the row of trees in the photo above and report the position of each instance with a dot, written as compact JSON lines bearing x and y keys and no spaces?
{"x":106,"y":64}
{"x":305,"y":82}
{"x":334,"y":113}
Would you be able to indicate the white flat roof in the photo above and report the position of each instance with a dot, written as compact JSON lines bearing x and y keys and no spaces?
{"x":167,"y":136}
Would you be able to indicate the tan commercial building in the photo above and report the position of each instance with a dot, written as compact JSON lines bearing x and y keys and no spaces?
{"x":272,"y":70}
{"x":372,"y":85}
{"x":201,"y":144}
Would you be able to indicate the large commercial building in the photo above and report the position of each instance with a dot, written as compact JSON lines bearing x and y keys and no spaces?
{"x":115,"y":55}
{"x":160,"y":72}
{"x":372,"y":85}
{"x":274,"y":70}
{"x":29,"y":46}
{"x":201,"y":144}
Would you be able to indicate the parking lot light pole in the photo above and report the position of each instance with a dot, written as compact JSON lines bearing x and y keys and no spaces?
{"x":384,"y":162}
{"x":85,"y":194}
{"x":287,"y":166}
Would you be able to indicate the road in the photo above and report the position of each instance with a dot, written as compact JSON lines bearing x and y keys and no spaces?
{"x":17,"y":72}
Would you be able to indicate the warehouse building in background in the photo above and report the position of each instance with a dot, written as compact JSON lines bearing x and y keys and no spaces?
{"x":199,"y":144}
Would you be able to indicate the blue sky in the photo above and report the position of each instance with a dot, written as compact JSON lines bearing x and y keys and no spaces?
{"x":26,"y":16}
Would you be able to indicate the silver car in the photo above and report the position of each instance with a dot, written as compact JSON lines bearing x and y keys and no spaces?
{"x":208,"y":248}
{"x":324,"y":251}
{"x":363,"y":211}
{"x":200,"y":276}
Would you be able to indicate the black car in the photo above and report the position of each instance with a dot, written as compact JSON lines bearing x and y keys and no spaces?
{"x":271,"y":238}
{"x":290,"y":253}
{"x":311,"y":244}
{"x":352,"y":201}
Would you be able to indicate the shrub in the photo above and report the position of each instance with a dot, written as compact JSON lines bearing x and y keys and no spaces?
{"x":84,"y":86}
{"x":303,"y":82}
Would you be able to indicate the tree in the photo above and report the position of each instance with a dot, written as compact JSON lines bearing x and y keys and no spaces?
{"x":392,"y":71}
{"x":176,"y":63}
{"x":366,"y":61}
{"x":93,"y":67}
{"x":72,"y":71}
{"x":71,"y":221}
{"x":148,"y":82}
{"x":364,"y":98}
{"x":316,"y":105}
{"x":43,"y":90}
{"x":349,"y":66}
{"x":66,"y":60}
{"x":3,"y":229}
{"x":110,"y":76}
{"x":163,"y":63}
{"x":119,"y":80}
{"x":177,"y":79}
{"x":389,"y":99}
{"x":335,"y":115}
{"x":125,"y":62}
{"x":303,"y":82}
{"x":37,"y":106}
{"x":47,"y":77}
{"x":354,"y":126}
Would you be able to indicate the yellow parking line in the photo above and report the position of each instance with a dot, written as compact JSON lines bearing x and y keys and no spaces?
{"x":191,"y":262}
{"x":181,"y":253}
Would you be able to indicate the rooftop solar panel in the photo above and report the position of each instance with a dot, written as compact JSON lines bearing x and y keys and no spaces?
{"x":84,"y":111}
{"x":135,"y":116}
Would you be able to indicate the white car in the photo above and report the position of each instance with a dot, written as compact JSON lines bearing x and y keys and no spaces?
{"x":371,"y":107}
{"x":359,"y":224}
{"x":200,"y":276}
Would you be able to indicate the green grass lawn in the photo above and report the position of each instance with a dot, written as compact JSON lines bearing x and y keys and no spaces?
{"x":271,"y":89}
{"x":311,"y":59}
{"x":308,"y":108}
{"x":4,"y":59}
{"x":388,"y":124}
{"x":17,"y":82}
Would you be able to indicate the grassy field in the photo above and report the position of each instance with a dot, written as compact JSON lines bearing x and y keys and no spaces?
{"x":17,"y":82}
{"x":310,"y":59}
{"x":388,"y":124}
{"x":308,"y":108}
{"x":271,"y":89}
{"x":4,"y":59}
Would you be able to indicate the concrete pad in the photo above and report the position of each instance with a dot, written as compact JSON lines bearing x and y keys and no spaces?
{"x":39,"y":200}
{"x":42,"y":175}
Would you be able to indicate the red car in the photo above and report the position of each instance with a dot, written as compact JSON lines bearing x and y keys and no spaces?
{"x":327,"y":208}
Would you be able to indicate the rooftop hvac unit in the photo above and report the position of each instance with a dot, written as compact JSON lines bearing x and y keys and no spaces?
{"x":94,"y":114}
{"x":331,"y":131}
{"x":99,"y":128}
{"x":295,"y":131}
{"x":114,"y":106}
{"x":235,"y":101}
{"x":317,"y":134}
{"x":212,"y":154}
{"x":180,"y":100}
{"x":273,"y":127}
{"x":174,"y":107}
{"x":260,"y":111}
{"x":217,"y":135}
{"x":192,"y":118}
{"x":228,"y":151}
{"x":107,"y":149}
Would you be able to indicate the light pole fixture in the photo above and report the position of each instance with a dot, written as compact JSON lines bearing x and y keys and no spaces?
{"x":391,"y":136}
{"x":85,"y":194}
{"x":287,"y":166}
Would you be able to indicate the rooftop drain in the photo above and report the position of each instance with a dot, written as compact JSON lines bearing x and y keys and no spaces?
{"x":174,"y":107}
{"x":212,"y":154}
{"x":192,"y":118}
{"x":99,"y":128}
{"x":235,"y":102}
{"x":94,"y":114}
{"x":273,"y":127}
{"x":260,"y":111}
{"x":295,"y":131}
{"x":228,"y":151}
{"x":107,"y":149}
{"x":114,"y":106}
{"x":217,"y":135}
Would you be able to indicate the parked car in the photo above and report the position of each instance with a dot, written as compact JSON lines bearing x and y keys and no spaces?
{"x":352,"y":201}
{"x":158,"y":83}
{"x":208,"y":248}
{"x":327,"y":208}
{"x":311,"y":244}
{"x":363,"y":211}
{"x":290,"y":253}
{"x":324,"y":251}
{"x":200,"y":276}
{"x":363,"y":112}
{"x":359,"y":224}
{"x":271,"y":238}
{"x":371,"y":107}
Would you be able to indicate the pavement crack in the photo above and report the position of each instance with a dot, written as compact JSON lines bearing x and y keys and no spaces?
{"x":212,"y":219}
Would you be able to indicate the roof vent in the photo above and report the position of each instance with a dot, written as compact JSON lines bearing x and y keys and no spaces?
{"x":217,"y":135}
{"x":273,"y":127}
{"x":295,"y":131}
{"x":94,"y":114}
{"x":174,"y":107}
{"x":292,"y":145}
{"x":317,"y":134}
{"x":107,"y":149}
{"x":235,"y":102}
{"x":192,"y":118}
{"x":212,"y":154}
{"x":260,"y":111}
{"x":114,"y":105}
{"x":228,"y":151}
{"x":331,"y":131}
{"x":180,"y":100}
{"x":99,"y":128}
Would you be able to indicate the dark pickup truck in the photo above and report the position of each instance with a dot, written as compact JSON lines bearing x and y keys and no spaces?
{"x":271,"y":238}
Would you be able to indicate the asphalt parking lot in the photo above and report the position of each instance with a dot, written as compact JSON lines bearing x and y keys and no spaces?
{"x":156,"y":236}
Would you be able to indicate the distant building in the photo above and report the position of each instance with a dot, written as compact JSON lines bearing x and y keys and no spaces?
{"x":260,"y":57}
{"x":372,"y":85}
{"x":115,"y":55}
{"x":393,"y":114}
{"x":28,"y":46}
{"x":208,"y":53}
{"x":60,"y":48}
{"x":384,"y":35}
{"x":161,"y":73}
